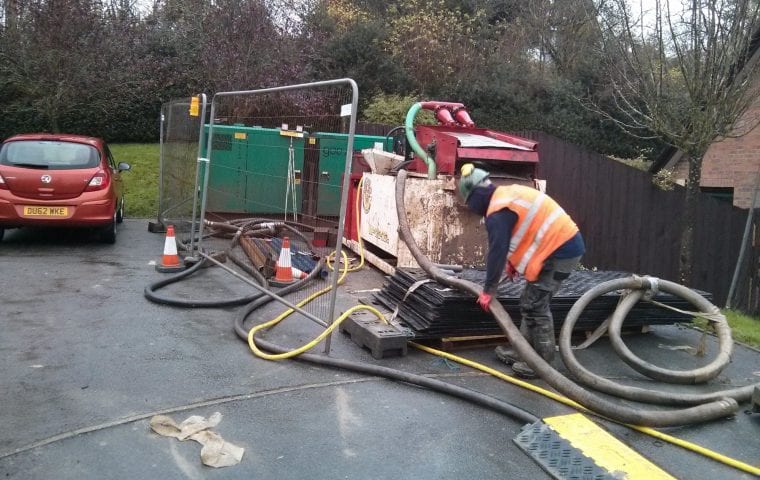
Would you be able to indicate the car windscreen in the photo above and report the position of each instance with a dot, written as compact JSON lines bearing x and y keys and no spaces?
{"x":49,"y":154}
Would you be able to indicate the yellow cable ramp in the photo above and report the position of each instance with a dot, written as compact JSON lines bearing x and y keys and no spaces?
{"x":739,"y":465}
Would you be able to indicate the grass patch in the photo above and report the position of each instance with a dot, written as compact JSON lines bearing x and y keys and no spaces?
{"x":141,"y":182}
{"x":744,"y":328}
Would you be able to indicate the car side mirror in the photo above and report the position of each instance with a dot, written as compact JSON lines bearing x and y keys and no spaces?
{"x":123,"y":166}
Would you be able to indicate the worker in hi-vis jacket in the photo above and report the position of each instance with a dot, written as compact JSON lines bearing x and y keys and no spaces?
{"x":528,"y":234}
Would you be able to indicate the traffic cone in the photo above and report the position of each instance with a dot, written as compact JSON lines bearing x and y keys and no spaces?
{"x":283,"y":273}
{"x":299,"y":274}
{"x":170,"y":260}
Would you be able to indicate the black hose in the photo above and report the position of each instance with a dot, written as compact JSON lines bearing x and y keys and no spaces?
{"x":237,"y":228}
{"x":477,"y":398}
{"x":614,"y":410}
{"x":151,"y":292}
{"x":390,"y":134}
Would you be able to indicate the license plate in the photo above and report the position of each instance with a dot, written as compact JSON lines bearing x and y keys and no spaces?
{"x":46,"y":211}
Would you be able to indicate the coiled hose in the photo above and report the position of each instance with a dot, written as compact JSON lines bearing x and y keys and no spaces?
{"x":713,"y":410}
{"x":637,"y":285}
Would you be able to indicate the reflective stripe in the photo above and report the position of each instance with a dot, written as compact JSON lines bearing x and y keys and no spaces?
{"x":526,"y":221}
{"x":542,"y":226}
{"x":539,"y":238}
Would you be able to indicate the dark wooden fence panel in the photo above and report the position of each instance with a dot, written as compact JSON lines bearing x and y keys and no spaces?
{"x":717,"y":243}
{"x":630,"y":224}
{"x":752,"y":292}
{"x":366,"y":128}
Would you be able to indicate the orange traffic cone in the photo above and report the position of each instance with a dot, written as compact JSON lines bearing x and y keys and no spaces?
{"x":299,"y":274}
{"x":170,"y":260}
{"x":284,"y":271}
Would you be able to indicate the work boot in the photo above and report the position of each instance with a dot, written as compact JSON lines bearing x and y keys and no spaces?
{"x":543,"y":339}
{"x":507,"y":355}
{"x":522,"y":370}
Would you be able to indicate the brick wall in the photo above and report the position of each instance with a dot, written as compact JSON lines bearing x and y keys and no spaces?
{"x":734,"y":162}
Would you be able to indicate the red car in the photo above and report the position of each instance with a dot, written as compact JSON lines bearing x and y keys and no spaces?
{"x":58,"y":180}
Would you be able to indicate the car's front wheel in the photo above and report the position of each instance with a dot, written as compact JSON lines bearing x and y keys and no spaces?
{"x":2,"y":232}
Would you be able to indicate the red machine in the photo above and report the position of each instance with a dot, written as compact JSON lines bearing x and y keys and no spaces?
{"x":456,"y":141}
{"x":450,"y":234}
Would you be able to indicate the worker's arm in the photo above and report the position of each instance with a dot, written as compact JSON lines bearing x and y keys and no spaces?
{"x":499,"y":226}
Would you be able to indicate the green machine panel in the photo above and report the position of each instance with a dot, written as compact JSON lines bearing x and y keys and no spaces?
{"x":226,"y":186}
{"x":250,"y":170}
{"x":270,"y":156}
{"x":332,"y":162}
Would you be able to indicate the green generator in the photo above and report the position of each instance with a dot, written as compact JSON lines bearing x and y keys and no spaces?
{"x":250,"y":170}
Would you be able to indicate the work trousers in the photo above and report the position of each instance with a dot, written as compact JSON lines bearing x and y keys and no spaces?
{"x":537,"y":324}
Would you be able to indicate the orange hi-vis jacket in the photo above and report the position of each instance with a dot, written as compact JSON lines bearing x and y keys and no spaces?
{"x":542,"y":226}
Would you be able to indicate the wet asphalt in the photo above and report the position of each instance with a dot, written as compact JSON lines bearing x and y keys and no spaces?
{"x":87,"y":360}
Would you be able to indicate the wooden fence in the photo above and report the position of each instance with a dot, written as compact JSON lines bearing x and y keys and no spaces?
{"x":367,"y":128}
{"x":630,"y":224}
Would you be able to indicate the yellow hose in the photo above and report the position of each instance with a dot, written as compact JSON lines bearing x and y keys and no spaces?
{"x":338,"y":321}
{"x":321,"y":336}
{"x":311,"y":344}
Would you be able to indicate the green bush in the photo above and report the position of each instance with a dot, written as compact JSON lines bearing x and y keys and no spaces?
{"x":392,"y":110}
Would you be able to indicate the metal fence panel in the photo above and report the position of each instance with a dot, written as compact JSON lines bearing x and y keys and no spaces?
{"x":181,"y":142}
{"x":283,"y":156}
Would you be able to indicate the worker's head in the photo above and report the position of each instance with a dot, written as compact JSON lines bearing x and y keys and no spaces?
{"x":471,"y":178}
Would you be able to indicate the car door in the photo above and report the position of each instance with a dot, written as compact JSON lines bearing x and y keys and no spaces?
{"x":115,"y":175}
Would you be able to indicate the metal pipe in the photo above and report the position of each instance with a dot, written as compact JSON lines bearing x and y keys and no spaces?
{"x":343,"y":201}
{"x":198,"y":162}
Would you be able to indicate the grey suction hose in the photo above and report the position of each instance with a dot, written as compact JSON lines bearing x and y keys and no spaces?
{"x":721,"y":408}
{"x":703,"y":374}
{"x":477,"y":398}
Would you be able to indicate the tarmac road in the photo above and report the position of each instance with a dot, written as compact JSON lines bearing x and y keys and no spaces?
{"x":87,"y":361}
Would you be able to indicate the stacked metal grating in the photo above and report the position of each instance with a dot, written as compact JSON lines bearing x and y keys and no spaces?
{"x":432,"y":310}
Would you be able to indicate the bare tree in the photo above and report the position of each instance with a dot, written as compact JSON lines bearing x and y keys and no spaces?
{"x":685,"y":75}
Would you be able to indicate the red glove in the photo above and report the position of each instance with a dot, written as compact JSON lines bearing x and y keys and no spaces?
{"x":511,"y":272}
{"x":484,"y":299}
